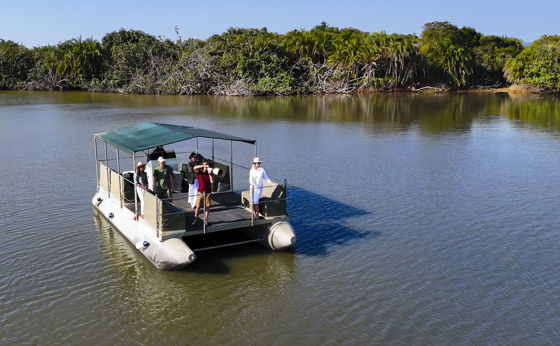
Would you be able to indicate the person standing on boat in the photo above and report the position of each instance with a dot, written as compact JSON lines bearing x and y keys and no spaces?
{"x":192,"y":179}
{"x":205,"y":180}
{"x":141,"y":182}
{"x":163,"y":179}
{"x":256,"y":176}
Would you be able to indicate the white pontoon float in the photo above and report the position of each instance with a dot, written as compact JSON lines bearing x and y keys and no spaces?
{"x":165,"y":236}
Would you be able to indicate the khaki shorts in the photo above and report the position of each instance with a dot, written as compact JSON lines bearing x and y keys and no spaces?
{"x":199,"y":200}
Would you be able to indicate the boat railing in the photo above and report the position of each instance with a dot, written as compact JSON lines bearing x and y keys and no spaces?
{"x":236,"y":203}
{"x":246,"y":168}
{"x":175,"y":215}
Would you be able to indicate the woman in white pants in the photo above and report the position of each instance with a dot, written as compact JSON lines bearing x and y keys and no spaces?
{"x":141,"y":183}
{"x":256,"y":176}
{"x":192,"y":179}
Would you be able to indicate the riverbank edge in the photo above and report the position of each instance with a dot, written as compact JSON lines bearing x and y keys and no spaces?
{"x":512,"y":89}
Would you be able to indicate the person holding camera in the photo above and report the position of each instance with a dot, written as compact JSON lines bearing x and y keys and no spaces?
{"x":205,"y":180}
{"x":256,"y":176}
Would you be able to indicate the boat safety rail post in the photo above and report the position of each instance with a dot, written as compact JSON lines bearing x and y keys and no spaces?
{"x":108,"y":170}
{"x":231,"y":165}
{"x":158,"y":223}
{"x":121,"y":195}
{"x":134,"y":186}
{"x":204,"y":212}
{"x":96,"y":163}
{"x":251,"y":205}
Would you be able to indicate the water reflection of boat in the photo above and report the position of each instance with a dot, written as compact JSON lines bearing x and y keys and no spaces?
{"x":166,"y":235}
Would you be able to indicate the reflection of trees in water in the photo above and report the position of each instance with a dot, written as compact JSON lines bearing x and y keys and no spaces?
{"x":432,"y":113}
{"x":534,"y":110}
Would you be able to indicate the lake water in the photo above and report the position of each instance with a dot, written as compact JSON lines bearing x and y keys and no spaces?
{"x":421,"y":219}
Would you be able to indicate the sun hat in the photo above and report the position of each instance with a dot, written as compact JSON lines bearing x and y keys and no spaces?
{"x":161,"y":159}
{"x":140,"y":163}
{"x":256,"y":160}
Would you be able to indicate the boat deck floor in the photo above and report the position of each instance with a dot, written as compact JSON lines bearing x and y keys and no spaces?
{"x":226,"y":213}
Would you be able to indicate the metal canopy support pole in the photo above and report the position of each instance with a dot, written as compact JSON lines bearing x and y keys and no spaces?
{"x":120,"y":179}
{"x":134,"y":185}
{"x":231,"y":165}
{"x":108,"y":171}
{"x":255,"y":148}
{"x":197,"y":144}
{"x":212,"y":149}
{"x":96,"y":163}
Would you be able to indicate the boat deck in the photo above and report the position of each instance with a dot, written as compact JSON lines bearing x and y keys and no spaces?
{"x":226,"y":213}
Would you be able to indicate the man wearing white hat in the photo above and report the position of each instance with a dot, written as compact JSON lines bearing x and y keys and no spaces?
{"x":256,"y":176}
{"x":163,"y":179}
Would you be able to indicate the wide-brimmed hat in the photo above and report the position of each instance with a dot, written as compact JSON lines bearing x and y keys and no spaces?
{"x":256,"y":160}
{"x":161,"y":159}
{"x":140,"y":164}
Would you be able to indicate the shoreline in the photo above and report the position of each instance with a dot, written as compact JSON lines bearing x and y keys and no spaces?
{"x":511,"y":90}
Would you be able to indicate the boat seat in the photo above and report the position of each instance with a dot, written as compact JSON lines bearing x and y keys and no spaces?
{"x":272,"y":201}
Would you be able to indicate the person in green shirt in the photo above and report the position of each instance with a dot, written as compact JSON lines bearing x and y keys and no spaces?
{"x":163,"y":179}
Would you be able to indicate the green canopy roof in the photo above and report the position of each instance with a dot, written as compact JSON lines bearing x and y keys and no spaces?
{"x":149,"y":135}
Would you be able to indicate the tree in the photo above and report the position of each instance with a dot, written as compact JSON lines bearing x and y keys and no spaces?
{"x":537,"y":65}
{"x":15,"y":62}
{"x":133,"y":53}
{"x":448,"y":51}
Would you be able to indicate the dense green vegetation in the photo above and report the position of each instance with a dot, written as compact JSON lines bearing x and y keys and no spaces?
{"x":324,"y":59}
{"x":537,"y":65}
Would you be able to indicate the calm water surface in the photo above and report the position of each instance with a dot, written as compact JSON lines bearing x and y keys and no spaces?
{"x":420,"y":220}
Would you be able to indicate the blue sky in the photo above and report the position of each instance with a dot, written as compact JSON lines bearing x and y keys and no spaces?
{"x":36,"y":23}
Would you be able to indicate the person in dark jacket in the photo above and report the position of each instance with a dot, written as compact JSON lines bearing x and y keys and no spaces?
{"x":192,"y":179}
{"x":141,"y":183}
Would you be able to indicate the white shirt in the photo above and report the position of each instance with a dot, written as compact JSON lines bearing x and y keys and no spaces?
{"x":256,"y":177}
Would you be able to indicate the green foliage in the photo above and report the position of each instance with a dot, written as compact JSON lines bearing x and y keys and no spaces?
{"x":397,"y":60}
{"x":491,"y":56}
{"x":448,"y":50}
{"x":79,"y":60}
{"x":70,"y":64}
{"x":313,"y":46}
{"x":130,"y":53}
{"x":15,"y":62}
{"x":251,"y":61}
{"x":325,"y":59}
{"x":494,"y":51}
{"x":537,"y":65}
